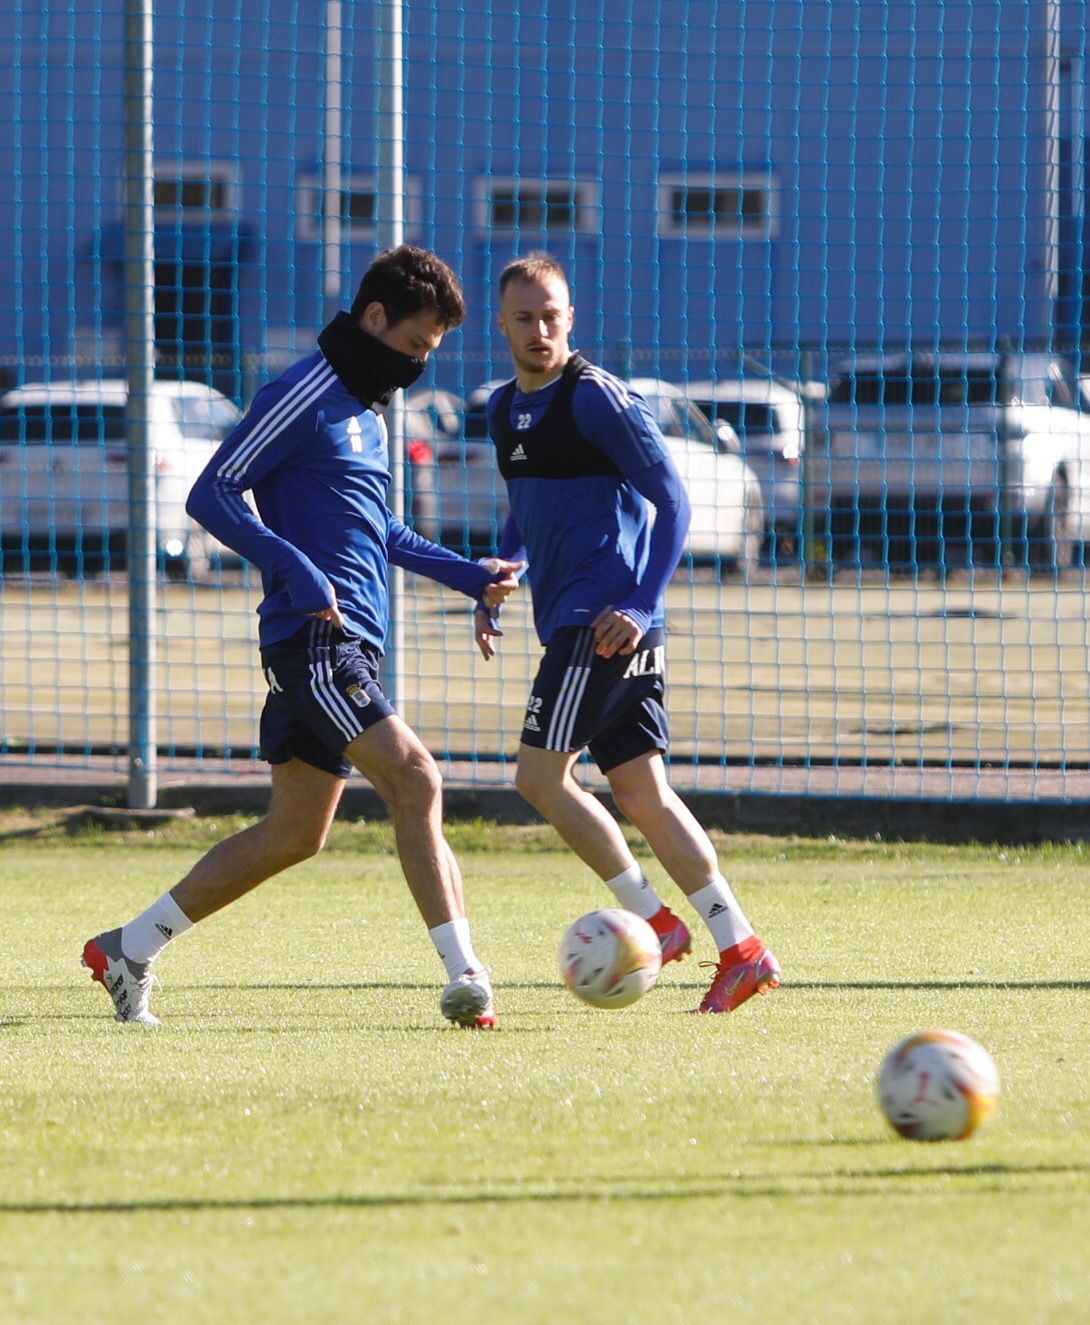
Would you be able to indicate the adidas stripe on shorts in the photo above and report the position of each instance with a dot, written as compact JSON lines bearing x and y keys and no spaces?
{"x":323,"y":693}
{"x":612,"y":706}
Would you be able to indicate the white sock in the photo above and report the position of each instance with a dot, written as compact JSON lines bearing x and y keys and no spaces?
{"x":634,"y":893}
{"x":454,"y":946}
{"x":143,"y":939}
{"x":721,"y":913}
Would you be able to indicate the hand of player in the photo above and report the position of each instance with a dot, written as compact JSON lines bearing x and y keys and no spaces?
{"x":484,"y":632}
{"x":615,"y":633}
{"x":500,"y":590}
{"x":330,"y":614}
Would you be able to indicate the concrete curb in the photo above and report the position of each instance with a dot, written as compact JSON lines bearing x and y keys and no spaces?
{"x":775,"y":814}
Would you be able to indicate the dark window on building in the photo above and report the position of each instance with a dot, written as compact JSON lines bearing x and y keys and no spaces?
{"x":538,"y":205}
{"x":719,"y":205}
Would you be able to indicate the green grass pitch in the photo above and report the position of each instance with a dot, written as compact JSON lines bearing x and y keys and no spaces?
{"x":306,"y":1140}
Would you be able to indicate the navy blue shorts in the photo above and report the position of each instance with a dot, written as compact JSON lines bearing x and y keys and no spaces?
{"x":323,"y":692}
{"x":613,"y":706}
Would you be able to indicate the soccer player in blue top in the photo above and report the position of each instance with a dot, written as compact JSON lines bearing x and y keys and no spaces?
{"x":583,"y":460}
{"x":312,"y":452}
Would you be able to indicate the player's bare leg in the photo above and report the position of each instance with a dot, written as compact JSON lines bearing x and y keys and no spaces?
{"x":545,"y":779}
{"x":393,"y":759}
{"x":745,"y":967}
{"x":295,"y":826}
{"x":301,"y":808}
{"x":670,"y":828}
{"x":396,"y":763}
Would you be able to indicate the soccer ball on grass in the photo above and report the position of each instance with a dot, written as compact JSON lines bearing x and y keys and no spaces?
{"x":938,"y":1086}
{"x":610,"y":958}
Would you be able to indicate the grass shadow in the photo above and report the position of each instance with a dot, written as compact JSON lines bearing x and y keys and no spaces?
{"x":363,"y":986}
{"x":886,"y":1181}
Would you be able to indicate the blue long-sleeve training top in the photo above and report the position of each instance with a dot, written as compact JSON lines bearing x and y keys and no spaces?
{"x":316,"y":462}
{"x":579,"y":480}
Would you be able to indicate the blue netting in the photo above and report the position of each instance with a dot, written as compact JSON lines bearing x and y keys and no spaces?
{"x":853,"y":234}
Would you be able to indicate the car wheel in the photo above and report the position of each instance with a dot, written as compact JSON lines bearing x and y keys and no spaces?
{"x":749,"y":554}
{"x":753,"y":540}
{"x":1050,"y":542}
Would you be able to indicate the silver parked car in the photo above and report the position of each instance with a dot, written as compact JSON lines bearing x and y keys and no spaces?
{"x":955,"y":457}
{"x":64,"y":501}
{"x":454,"y":490}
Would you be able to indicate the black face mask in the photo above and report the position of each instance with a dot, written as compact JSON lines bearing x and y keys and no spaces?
{"x":368,"y":367}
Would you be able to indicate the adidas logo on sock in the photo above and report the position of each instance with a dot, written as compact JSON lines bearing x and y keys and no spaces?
{"x":165,"y":930}
{"x":716,"y":909}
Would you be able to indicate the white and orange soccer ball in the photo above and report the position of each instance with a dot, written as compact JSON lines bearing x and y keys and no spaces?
{"x":610,"y":958}
{"x":938,"y":1086}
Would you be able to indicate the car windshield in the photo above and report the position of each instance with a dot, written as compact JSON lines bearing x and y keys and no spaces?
{"x":695,"y":423}
{"x":678,"y":417}
{"x":205,"y":417}
{"x":62,"y":425}
{"x":748,"y":418}
{"x":923,"y":386}
{"x":476,"y":423}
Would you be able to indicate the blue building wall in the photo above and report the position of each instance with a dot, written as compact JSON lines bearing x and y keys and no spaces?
{"x":905,"y":146}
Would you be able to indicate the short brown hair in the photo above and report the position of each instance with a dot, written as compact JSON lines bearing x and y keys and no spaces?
{"x":532,"y":267}
{"x":408,"y":280}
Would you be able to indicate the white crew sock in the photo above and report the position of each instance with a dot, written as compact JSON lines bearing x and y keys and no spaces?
{"x":143,"y":939}
{"x":454,"y":946}
{"x":634,"y":893}
{"x":721,"y":913}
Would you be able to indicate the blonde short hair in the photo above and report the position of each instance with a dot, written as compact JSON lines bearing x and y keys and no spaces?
{"x":533,"y":267}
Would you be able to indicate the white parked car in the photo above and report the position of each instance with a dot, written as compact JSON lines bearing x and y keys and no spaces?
{"x":728,"y":514}
{"x":64,"y":473}
{"x":770,"y":420}
{"x":470,"y":502}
